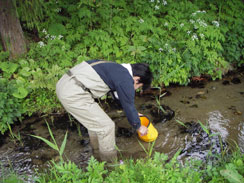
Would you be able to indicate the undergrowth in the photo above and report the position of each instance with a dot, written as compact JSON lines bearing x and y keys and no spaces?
{"x":159,"y":169}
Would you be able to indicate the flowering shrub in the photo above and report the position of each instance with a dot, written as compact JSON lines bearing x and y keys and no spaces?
{"x":179,"y":39}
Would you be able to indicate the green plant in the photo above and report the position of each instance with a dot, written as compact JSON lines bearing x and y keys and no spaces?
{"x":231,"y":174}
{"x":150,"y":148}
{"x":14,"y":136}
{"x":70,"y":172}
{"x":232,"y":24}
{"x":210,"y":135}
{"x":181,"y":123}
{"x":53,"y":144}
{"x":159,"y":106}
{"x":9,"y":176}
{"x":62,"y":172}
{"x":226,"y":169}
{"x":11,"y":107}
{"x":155,"y":169}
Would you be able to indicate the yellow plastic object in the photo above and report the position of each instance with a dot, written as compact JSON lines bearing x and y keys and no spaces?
{"x":152,"y":131}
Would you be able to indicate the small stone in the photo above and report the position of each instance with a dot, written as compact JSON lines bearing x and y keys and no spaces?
{"x":225,"y":82}
{"x":201,"y":93}
{"x":185,"y":102}
{"x":236,"y":81}
{"x":194,"y":106}
{"x":238,"y":112}
{"x":213,"y":88}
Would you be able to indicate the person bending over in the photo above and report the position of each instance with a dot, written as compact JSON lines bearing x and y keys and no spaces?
{"x":92,"y":79}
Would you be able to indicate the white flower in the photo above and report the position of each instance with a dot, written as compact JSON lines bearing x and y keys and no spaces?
{"x":166,"y":24}
{"x":60,"y":36}
{"x":151,"y":1}
{"x":198,"y":11}
{"x":58,"y":10}
{"x":44,"y":31}
{"x":192,"y":21}
{"x":53,"y":37}
{"x":156,"y":7}
{"x":194,"y":37}
{"x":182,"y":24}
{"x":203,"y":24}
{"x":188,"y":32}
{"x":202,"y":35}
{"x":141,"y":20}
{"x":160,"y":49}
{"x":41,"y":44}
{"x":216,"y":23}
{"x":164,"y":2}
{"x":174,"y":49}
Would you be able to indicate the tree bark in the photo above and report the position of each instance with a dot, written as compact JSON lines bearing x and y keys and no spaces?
{"x":11,"y":32}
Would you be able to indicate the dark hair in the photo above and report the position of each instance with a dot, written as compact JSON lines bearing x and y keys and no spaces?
{"x":142,"y":70}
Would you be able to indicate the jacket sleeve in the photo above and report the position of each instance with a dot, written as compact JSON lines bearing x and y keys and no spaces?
{"x":126,"y":94}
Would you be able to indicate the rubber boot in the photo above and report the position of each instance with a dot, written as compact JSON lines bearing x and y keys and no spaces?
{"x":108,"y":156}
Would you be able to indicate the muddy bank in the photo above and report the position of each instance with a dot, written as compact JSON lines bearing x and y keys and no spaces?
{"x":217,"y":104}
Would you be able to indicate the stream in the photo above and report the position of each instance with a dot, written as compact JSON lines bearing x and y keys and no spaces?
{"x":215,"y":104}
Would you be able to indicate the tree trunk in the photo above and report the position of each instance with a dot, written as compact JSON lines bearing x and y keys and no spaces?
{"x":12,"y":36}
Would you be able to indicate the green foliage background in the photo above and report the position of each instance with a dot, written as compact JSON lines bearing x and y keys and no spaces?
{"x":179,"y":39}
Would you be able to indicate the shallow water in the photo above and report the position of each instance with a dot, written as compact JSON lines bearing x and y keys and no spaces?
{"x":217,"y":105}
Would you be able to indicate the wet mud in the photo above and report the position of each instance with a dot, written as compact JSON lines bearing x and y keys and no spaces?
{"x":216,"y":104}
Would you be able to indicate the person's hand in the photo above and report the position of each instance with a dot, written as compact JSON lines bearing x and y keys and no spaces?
{"x":143,"y":130}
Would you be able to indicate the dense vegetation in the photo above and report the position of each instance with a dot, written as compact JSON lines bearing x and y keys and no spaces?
{"x":179,"y":39}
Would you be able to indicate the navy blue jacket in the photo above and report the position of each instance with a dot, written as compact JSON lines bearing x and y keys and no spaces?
{"x":119,"y":79}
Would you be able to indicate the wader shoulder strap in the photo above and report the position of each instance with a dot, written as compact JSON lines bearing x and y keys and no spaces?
{"x":69,"y":73}
{"x":100,"y":62}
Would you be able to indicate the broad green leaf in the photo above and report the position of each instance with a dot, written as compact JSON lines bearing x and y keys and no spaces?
{"x":20,"y":93}
{"x":25,"y":72}
{"x":56,"y":29}
{"x":232,"y":176}
{"x":8,"y":67}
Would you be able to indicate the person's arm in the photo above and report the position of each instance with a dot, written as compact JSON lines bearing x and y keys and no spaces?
{"x":126,"y":94}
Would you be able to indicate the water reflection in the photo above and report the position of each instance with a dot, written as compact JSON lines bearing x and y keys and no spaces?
{"x":20,"y":163}
{"x":218,"y":123}
{"x":241,"y":136}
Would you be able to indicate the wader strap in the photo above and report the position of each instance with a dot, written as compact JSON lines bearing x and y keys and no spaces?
{"x":100,"y":62}
{"x":70,"y":74}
